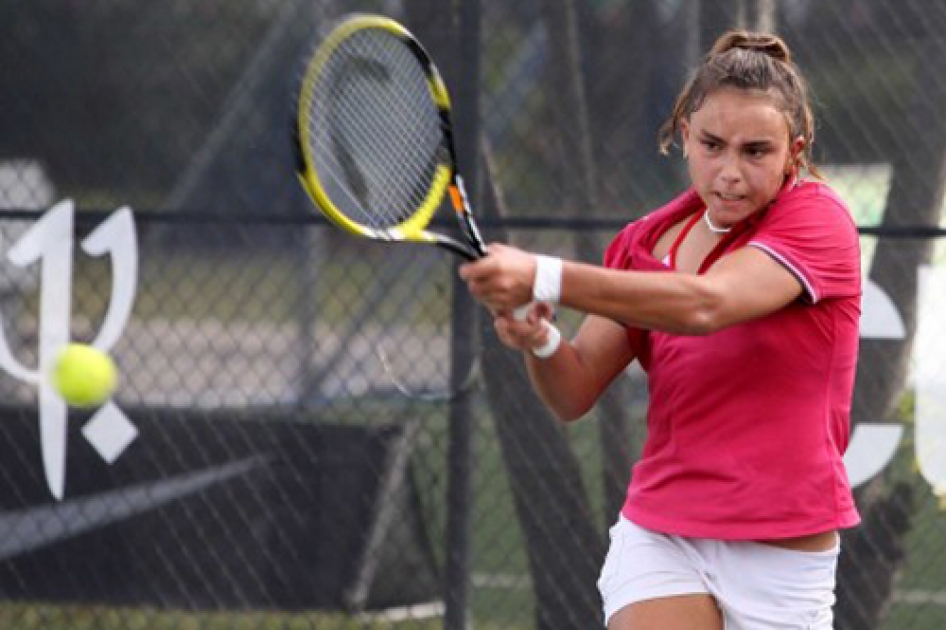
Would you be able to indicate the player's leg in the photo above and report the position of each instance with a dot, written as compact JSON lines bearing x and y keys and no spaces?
{"x":683,"y":612}
{"x":654,"y":581}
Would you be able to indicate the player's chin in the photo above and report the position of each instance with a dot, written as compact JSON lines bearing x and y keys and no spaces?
{"x":730,"y":210}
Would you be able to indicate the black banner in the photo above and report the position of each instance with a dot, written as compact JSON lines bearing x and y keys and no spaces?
{"x":217,"y":511}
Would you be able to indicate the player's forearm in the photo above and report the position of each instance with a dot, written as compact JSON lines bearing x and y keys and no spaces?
{"x":670,"y":302}
{"x":563,"y":382}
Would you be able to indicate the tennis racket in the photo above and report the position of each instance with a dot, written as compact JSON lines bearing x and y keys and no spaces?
{"x":373,"y":137}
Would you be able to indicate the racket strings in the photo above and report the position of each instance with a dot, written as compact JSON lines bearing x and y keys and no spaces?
{"x":375,"y":130}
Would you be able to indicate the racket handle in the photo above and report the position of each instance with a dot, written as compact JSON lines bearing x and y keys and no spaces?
{"x":554,"y":341}
{"x":520,"y":313}
{"x":555,"y":337}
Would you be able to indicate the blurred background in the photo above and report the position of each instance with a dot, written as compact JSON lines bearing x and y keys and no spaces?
{"x":314,"y":431}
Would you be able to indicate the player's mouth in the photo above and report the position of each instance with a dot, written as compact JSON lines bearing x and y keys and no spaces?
{"x":729,"y":200}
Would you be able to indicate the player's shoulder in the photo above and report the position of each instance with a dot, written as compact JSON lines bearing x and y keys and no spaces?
{"x":669,"y":213}
{"x":807,"y":200}
{"x":640,"y":235}
{"x":816,"y":194}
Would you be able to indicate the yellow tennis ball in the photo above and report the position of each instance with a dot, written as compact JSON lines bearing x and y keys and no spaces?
{"x":84,"y":376}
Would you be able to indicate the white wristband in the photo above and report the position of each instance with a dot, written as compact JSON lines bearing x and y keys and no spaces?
{"x":551,"y":345}
{"x":547,"y":286}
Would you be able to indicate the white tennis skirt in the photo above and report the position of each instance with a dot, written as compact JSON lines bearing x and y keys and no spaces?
{"x":755,"y":585}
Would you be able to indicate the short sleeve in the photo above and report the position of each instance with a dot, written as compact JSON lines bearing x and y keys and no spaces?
{"x":812,"y":234}
{"x":619,"y":253}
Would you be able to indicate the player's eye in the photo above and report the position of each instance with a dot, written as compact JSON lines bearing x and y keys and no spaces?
{"x":758,"y":151}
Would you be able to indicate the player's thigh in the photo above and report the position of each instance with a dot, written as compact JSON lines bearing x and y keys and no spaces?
{"x":646,"y":566}
{"x":681,"y":612}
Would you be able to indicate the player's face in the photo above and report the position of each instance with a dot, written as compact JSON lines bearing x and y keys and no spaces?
{"x":738,"y":152}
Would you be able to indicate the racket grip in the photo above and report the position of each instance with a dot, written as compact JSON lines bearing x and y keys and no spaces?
{"x":555,"y":337}
{"x":550,"y":346}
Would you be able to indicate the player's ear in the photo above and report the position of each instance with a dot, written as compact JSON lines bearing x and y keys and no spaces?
{"x":685,"y":135}
{"x":794,"y":153}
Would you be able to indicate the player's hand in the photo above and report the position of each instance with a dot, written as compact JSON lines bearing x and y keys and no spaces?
{"x":524,"y":334}
{"x":503,"y":279}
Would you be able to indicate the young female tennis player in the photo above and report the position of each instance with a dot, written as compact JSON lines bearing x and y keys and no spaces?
{"x":740,"y":298}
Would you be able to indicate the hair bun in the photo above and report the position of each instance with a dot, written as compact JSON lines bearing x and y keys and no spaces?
{"x":766,"y":43}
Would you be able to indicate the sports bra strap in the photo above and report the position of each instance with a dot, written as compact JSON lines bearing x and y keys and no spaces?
{"x":672,"y":253}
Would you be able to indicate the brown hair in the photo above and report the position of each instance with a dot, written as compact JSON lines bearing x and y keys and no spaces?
{"x":749,"y":61}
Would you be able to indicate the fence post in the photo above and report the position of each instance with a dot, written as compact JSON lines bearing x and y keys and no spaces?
{"x":462,"y":356}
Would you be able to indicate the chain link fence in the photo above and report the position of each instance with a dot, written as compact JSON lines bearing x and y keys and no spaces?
{"x":317,"y":432}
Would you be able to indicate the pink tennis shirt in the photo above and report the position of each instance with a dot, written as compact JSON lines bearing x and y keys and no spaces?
{"x":747,"y":426}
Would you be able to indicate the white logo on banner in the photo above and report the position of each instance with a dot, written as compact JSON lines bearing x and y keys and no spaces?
{"x":872,"y":446}
{"x":49,"y":243}
{"x":930,"y":378}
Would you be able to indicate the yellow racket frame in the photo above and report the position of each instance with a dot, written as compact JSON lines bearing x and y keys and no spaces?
{"x":413,"y":228}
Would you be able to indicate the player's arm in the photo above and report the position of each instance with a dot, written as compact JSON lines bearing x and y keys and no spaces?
{"x":744,"y":285}
{"x":571,"y":380}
